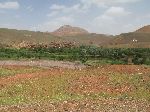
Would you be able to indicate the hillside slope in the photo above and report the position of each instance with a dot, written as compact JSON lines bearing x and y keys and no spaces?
{"x":89,"y":39}
{"x":12,"y":36}
{"x":139,"y":38}
{"x":68,"y":30}
{"x":145,"y":29}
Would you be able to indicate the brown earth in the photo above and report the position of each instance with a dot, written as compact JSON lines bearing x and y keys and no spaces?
{"x":76,"y":36}
{"x":145,"y":29}
{"x":91,"y":84}
{"x":99,"y":83}
{"x":126,"y":69}
{"x":22,"y":38}
{"x":96,"y":84}
{"x":138,"y":39}
{"x":49,"y":68}
{"x":43,"y":64}
{"x":20,"y":77}
{"x":101,"y":105}
{"x":68,"y":30}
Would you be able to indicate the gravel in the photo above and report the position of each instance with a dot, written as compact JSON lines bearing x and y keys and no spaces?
{"x":44,"y":64}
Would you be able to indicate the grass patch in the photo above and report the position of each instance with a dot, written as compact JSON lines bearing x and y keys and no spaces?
{"x":55,"y":88}
{"x":52,"y":88}
{"x":140,"y":88}
{"x":5,"y":72}
{"x":99,"y":62}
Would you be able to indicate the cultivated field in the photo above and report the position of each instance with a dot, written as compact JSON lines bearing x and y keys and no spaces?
{"x":105,"y":88}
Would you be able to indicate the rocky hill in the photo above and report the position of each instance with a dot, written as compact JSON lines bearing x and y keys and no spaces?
{"x":77,"y":37}
{"x":139,"y":38}
{"x":145,"y":29}
{"x":68,"y":30}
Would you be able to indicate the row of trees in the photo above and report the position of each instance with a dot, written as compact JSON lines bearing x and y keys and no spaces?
{"x":127,"y":55}
{"x":82,"y":53}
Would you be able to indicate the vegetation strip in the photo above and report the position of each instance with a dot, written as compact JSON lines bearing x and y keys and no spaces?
{"x":82,"y":53}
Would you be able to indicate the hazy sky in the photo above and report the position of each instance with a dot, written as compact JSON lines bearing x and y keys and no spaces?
{"x":100,"y":16}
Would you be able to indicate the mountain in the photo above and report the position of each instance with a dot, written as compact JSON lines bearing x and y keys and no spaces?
{"x":89,"y":39}
{"x":139,"y":38}
{"x":76,"y":36}
{"x":145,"y":29}
{"x":68,"y":30}
{"x":13,"y":36}
{"x":80,"y":37}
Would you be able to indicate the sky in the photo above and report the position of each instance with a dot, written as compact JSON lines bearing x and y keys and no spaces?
{"x":97,"y":16}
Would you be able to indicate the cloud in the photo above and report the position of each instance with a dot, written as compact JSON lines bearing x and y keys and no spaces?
{"x":63,"y":15}
{"x":122,"y":1}
{"x":116,"y":11}
{"x":9,"y":5}
{"x":113,"y":13}
{"x":83,"y":6}
{"x":30,"y":8}
{"x":100,"y":16}
{"x":57,"y":7}
{"x":76,"y":8}
{"x":53,"y":13}
{"x":104,"y":22}
{"x":108,"y":2}
{"x":53,"y":24}
{"x":110,"y":21}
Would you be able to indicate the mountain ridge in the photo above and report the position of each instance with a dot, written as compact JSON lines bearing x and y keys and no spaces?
{"x":140,"y":37}
{"x":145,"y":29}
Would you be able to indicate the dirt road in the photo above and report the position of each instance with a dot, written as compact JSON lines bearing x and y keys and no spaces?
{"x":43,"y":63}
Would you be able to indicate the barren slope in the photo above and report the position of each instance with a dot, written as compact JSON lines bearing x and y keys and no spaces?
{"x":68,"y":30}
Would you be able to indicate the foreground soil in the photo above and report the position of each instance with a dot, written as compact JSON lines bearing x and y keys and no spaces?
{"x":101,"y":105}
{"x":108,"y":88}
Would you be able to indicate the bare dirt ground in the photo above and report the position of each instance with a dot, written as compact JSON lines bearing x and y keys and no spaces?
{"x":50,"y":67}
{"x":101,"y":105}
{"x":43,"y":63}
{"x":27,"y":76}
{"x":93,"y":84}
{"x":97,"y":83}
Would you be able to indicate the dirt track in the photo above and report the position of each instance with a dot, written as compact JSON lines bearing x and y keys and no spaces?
{"x":43,"y":63}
